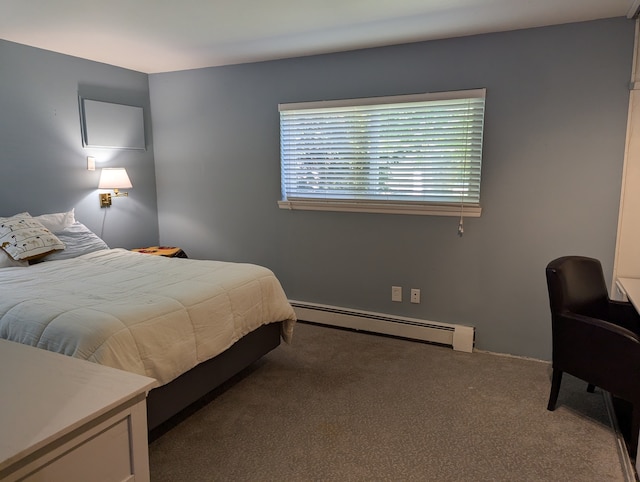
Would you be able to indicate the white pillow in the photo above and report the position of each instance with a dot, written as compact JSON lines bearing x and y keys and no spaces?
{"x":77,"y":239}
{"x":24,"y":238}
{"x":56,"y":222}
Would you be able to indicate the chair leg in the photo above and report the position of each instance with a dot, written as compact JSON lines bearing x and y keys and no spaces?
{"x":556,"y":378}
{"x":591,"y":388}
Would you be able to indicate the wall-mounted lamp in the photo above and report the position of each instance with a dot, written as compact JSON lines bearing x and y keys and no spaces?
{"x":113,"y":178}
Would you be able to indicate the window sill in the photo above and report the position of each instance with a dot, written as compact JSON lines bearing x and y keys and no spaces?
{"x":422,"y":209}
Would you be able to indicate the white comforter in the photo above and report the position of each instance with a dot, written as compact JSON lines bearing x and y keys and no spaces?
{"x":145,"y":314}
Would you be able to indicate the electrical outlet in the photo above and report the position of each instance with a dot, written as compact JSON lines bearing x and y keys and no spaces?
{"x":396,"y":293}
{"x":415,"y":295}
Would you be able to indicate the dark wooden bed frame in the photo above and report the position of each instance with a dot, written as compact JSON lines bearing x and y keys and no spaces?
{"x":166,"y":401}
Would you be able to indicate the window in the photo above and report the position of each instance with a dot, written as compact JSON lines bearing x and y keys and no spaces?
{"x":411,"y":154}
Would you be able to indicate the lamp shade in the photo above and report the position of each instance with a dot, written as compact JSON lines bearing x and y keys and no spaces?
{"x":114,"y":178}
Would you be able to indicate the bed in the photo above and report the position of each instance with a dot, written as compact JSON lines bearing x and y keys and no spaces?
{"x":190,"y":324}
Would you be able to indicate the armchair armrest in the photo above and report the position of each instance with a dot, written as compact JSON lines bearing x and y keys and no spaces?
{"x":600,"y":328}
{"x":623,"y":313}
{"x":597,"y":351}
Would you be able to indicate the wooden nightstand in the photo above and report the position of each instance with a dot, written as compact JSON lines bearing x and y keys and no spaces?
{"x":166,"y":251}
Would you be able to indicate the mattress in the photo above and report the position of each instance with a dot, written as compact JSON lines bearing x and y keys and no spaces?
{"x":146,"y":314}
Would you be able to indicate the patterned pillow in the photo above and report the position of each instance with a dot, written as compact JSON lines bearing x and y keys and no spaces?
{"x":24,"y":238}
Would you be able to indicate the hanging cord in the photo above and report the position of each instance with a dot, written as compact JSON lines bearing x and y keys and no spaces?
{"x":464,"y":174}
{"x":104,"y":218}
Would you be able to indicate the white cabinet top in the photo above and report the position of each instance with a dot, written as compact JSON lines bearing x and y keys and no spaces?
{"x":45,"y":395}
{"x":631,"y":287}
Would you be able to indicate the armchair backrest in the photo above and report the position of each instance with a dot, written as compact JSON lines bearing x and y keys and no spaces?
{"x":576,"y":284}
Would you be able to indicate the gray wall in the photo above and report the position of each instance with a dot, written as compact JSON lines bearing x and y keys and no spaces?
{"x":42,"y":161}
{"x":553,"y":153}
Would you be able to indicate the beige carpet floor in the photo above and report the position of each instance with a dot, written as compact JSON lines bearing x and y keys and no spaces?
{"x":338,"y":405}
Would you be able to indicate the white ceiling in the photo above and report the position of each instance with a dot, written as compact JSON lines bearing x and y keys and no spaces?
{"x":163,"y":35}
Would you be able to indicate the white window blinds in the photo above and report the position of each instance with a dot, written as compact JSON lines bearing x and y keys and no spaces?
{"x":383,"y":152}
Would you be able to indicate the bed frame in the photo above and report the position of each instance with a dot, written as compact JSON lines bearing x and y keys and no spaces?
{"x":166,"y":401}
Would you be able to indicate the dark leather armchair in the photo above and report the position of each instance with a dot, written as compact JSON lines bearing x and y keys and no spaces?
{"x":595,"y":338}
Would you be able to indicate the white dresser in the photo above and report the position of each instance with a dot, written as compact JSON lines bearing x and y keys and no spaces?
{"x":65,"y":419}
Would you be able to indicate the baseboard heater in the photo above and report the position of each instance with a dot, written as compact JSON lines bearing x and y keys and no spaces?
{"x":459,"y":337}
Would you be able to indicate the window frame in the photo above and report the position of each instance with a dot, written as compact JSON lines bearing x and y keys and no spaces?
{"x":438,"y":208}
